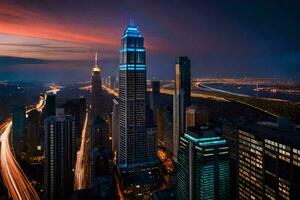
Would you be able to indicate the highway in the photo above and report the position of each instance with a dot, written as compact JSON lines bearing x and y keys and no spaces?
{"x":16,"y":182}
{"x":81,"y":168}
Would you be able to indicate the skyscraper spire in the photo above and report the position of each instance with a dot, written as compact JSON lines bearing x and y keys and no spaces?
{"x":96,"y":59}
{"x":96,"y":67}
{"x":131,"y":22}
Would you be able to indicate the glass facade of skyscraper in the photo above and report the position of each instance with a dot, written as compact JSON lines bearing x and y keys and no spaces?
{"x":203,"y":165}
{"x":132,"y":98}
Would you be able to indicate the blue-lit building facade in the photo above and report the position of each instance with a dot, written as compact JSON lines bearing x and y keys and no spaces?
{"x":132,"y":98}
{"x":203,"y":165}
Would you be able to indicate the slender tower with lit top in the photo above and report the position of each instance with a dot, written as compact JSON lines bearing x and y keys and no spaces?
{"x":132,"y":98}
{"x":96,"y":89}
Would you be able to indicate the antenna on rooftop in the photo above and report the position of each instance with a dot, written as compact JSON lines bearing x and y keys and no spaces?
{"x":131,"y":22}
{"x":96,"y":58}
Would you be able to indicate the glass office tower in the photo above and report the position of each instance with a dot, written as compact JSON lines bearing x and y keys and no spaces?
{"x":132,"y":98}
{"x":203,"y":165}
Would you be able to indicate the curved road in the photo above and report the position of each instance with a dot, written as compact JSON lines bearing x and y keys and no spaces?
{"x":16,"y":182}
{"x":81,"y":180}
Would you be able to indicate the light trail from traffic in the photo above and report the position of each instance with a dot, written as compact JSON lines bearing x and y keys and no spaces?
{"x":80,"y":181}
{"x":15,"y":180}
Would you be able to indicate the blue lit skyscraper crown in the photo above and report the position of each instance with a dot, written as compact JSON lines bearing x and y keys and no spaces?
{"x":132,"y":50}
{"x":131,"y":31}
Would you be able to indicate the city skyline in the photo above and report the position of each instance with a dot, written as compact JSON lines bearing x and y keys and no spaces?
{"x":178,"y":107}
{"x":44,"y":39}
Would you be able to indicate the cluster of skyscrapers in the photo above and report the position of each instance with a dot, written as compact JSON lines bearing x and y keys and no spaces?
{"x":225,"y":161}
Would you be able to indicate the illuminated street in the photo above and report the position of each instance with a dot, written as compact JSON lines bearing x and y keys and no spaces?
{"x":16,"y":182}
{"x":81,"y":168}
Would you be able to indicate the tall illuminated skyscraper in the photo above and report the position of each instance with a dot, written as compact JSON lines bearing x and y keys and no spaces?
{"x":96,"y":89}
{"x":132,"y":98}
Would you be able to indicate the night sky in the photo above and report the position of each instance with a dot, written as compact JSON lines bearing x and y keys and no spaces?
{"x":55,"y":40}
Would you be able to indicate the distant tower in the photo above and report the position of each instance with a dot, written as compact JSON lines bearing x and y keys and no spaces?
{"x":132,"y":98}
{"x":96,"y":89}
{"x":60,"y":156}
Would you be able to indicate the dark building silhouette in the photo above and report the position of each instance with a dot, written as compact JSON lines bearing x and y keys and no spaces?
{"x":155,"y":98}
{"x":96,"y":91}
{"x":115,"y":127}
{"x":77,"y":109}
{"x":101,"y":161}
{"x":183,"y":78}
{"x":19,"y":125}
{"x":34,"y":136}
{"x":181,"y":99}
{"x":151,"y":148}
{"x":60,"y":156}
{"x":50,"y":106}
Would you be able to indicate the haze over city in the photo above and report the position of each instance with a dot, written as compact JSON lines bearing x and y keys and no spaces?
{"x":57,"y":39}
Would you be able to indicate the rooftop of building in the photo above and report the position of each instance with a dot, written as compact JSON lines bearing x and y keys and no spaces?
{"x":204,"y":136}
{"x":131,"y":31}
{"x":281,"y":131}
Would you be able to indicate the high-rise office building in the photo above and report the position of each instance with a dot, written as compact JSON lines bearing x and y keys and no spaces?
{"x":115,"y":127}
{"x":269,"y":161}
{"x":96,"y":89}
{"x":132,"y":98}
{"x":19,"y":125}
{"x":203,"y":165}
{"x":155,"y":98}
{"x":50,"y":106}
{"x":60,"y":156}
{"x":181,"y":99}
